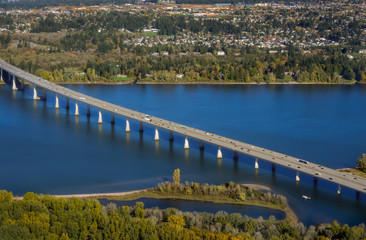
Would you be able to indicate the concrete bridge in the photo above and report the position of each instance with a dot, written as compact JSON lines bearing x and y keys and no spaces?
{"x":16,"y":77}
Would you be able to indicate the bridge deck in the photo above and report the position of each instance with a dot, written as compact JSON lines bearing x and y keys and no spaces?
{"x":316,"y":170}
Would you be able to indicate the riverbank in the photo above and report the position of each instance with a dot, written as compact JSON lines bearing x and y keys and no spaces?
{"x":200,"y":83}
{"x":241,"y":83}
{"x":151,"y":193}
{"x":353,"y":171}
{"x":91,"y":195}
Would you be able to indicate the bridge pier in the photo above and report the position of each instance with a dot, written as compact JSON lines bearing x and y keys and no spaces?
{"x":2,"y":79}
{"x":219,"y":153}
{"x":76,"y":109}
{"x":273,"y":168}
{"x":35,"y":96}
{"x":127,"y":125}
{"x":236,"y":156}
{"x":100,"y":120}
{"x":315,"y":181}
{"x":44,"y":94}
{"x":297,"y":176}
{"x":256,"y":166}
{"x":14,"y":84}
{"x":202,"y":145}
{"x":88,"y":111}
{"x":22,"y":85}
{"x":113,"y":121}
{"x":156,"y":134}
{"x":339,"y":190}
{"x":186,"y":143}
{"x":67,"y":103}
{"x":358,"y":195}
{"x":171,"y":137}
{"x":141,"y":129}
{"x":57,"y":106}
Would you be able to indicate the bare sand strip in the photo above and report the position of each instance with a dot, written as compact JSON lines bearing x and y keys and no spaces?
{"x":91,"y":195}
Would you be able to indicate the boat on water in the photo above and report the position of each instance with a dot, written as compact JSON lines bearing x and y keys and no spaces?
{"x":306,"y":197}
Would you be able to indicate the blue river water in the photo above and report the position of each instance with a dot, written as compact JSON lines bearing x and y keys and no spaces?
{"x":44,"y":150}
{"x":194,"y":206}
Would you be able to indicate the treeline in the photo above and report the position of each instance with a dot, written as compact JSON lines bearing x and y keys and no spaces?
{"x":91,"y":22}
{"x":228,"y":190}
{"x":252,"y":65}
{"x":48,"y":217}
{"x":30,"y":4}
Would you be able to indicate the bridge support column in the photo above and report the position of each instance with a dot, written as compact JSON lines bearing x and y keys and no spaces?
{"x":156,"y":134}
{"x":88,"y":111}
{"x":76,"y":109}
{"x":57,"y":106}
{"x":44,"y":94}
{"x":113,"y":121}
{"x":171,"y":137}
{"x":100,"y":120}
{"x":297,"y":176}
{"x":14,"y":84}
{"x":236,"y":156}
{"x":358,"y":195}
{"x":35,"y":96}
{"x":127,"y":125}
{"x":273,"y":167}
{"x":67,"y":103}
{"x":256,"y":166}
{"x":202,"y":145}
{"x":141,"y":129}
{"x":2,"y":73}
{"x":339,"y":190}
{"x":186,"y":143}
{"x":315,"y":181}
{"x":22,"y":84}
{"x":219,"y":153}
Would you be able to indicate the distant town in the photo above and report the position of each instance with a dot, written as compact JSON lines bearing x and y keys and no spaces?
{"x":233,"y":34}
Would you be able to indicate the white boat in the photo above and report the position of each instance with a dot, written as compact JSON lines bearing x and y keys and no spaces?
{"x":306,"y":197}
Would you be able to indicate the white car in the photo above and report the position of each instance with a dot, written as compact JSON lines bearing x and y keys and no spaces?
{"x":81,"y":98}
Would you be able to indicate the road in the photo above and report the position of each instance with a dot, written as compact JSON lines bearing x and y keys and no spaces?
{"x":303,"y":166}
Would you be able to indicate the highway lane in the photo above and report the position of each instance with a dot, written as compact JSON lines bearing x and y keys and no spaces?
{"x":303,"y":166}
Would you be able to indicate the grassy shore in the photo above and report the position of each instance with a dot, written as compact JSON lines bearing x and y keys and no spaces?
{"x":290,"y":215}
{"x":353,"y":171}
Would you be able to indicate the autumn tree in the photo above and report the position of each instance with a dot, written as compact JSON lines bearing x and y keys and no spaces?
{"x":176,"y":177}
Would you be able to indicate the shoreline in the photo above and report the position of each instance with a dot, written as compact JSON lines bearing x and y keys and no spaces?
{"x":137,"y":194}
{"x":353,"y":171}
{"x":89,"y":195}
{"x":200,"y":83}
{"x":242,"y":83}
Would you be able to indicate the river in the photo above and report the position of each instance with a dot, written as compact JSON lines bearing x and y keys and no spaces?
{"x":44,"y":150}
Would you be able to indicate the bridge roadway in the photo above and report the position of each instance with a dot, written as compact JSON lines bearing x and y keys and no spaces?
{"x":316,"y":170}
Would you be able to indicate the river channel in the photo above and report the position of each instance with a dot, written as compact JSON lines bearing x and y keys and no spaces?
{"x":50,"y":151}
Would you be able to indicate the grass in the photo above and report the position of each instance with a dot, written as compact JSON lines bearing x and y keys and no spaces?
{"x":290,"y":215}
{"x":121,"y":79}
{"x":354,"y":171}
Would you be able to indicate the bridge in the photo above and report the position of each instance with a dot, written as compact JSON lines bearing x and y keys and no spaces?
{"x":16,"y":77}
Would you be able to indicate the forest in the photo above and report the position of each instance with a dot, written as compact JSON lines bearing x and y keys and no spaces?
{"x":48,"y":217}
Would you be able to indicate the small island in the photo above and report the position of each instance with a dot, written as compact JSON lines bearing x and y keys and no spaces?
{"x":230,"y":192}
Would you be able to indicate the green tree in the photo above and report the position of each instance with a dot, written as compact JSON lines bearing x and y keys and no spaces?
{"x":6,"y":196}
{"x":139,"y":210}
{"x":361,"y":163}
